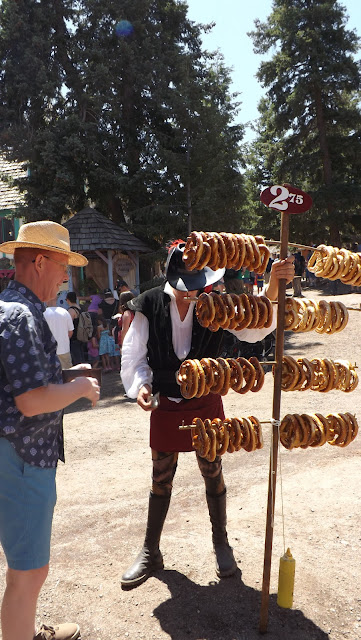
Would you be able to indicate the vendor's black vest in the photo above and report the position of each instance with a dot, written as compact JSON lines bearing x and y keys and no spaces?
{"x":155,"y":305}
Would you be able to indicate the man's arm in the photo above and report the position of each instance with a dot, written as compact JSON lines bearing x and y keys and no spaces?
{"x":57,"y":396}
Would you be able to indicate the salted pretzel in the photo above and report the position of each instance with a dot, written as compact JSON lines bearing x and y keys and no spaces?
{"x":230,"y":250}
{"x":211,"y":438}
{"x":302,"y":315}
{"x":319,"y":374}
{"x":198,"y":378}
{"x":232,"y":311}
{"x":188,"y":379}
{"x":315,"y":430}
{"x":333,"y":263}
{"x":259,"y":380}
{"x":249,"y":375}
{"x":200,"y":440}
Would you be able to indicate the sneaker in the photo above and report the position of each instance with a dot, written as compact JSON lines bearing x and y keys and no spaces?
{"x":67,"y":631}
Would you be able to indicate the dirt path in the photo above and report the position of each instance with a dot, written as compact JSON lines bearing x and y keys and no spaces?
{"x":101,"y":512}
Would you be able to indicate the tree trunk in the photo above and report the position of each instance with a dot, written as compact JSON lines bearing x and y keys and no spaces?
{"x":327,"y":166}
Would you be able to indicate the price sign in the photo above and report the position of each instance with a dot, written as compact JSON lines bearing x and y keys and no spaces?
{"x":286,"y":198}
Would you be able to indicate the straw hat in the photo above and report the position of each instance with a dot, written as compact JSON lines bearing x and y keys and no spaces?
{"x":45,"y":234}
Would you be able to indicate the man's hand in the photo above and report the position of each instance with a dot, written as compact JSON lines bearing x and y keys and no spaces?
{"x":89,"y":388}
{"x":281,"y":269}
{"x":144,"y":398}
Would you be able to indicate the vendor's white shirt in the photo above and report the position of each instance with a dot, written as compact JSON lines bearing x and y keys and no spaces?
{"x":60,"y":323}
{"x":135,"y":370}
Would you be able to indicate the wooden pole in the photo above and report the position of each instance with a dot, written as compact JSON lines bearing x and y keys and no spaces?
{"x":275,"y":431}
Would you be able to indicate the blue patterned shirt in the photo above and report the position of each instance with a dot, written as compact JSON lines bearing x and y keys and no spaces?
{"x":28,"y":361}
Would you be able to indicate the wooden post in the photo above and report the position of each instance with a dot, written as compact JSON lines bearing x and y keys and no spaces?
{"x":275,"y":431}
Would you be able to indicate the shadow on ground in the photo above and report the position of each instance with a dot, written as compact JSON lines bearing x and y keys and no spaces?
{"x":226,"y":610}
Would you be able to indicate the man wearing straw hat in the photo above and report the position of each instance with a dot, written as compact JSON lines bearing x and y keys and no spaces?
{"x":32,"y":397}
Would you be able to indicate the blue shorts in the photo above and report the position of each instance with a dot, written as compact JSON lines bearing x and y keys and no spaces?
{"x":27,"y":501}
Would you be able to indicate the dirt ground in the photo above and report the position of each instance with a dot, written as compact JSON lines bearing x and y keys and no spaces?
{"x":102,"y":505}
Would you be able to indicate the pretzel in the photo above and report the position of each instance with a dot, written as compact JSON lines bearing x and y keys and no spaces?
{"x":268,"y":304}
{"x":202,"y":389}
{"x":338,"y":429}
{"x":220,"y":250}
{"x":211,"y":438}
{"x":232,"y":311}
{"x":200,"y":440}
{"x":222,"y":436}
{"x":256,"y":425}
{"x":205,"y":310}
{"x":321,"y":374}
{"x":236,"y":380}
{"x":249,"y":375}
{"x":227,"y":375}
{"x":218,"y":375}
{"x":333,"y":263}
{"x":193,"y":250}
{"x":211,"y":456}
{"x":308,"y":315}
{"x":208,"y":372}
{"x":188,"y":379}
{"x":259,"y":380}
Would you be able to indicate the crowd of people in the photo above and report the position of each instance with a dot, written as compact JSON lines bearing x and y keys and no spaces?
{"x":109,"y":320}
{"x":150,"y":335}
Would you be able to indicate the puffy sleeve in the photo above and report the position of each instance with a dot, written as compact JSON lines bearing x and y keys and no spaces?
{"x":135,"y":371}
{"x":254,"y":335}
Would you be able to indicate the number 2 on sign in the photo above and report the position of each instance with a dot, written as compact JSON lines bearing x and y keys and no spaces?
{"x":280,"y":201}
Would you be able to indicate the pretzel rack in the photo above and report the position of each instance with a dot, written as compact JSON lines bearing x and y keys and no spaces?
{"x":277,"y":390}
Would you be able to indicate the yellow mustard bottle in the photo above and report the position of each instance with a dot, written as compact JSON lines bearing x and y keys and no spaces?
{"x":286,"y":580}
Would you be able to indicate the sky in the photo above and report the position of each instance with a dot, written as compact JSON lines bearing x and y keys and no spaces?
{"x":234,"y":18}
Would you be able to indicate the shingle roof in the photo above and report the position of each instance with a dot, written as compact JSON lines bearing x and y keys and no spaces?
{"x":90,"y":230}
{"x":10,"y":196}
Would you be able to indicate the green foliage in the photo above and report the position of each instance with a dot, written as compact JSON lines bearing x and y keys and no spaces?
{"x":309,"y":130}
{"x":141,"y":124}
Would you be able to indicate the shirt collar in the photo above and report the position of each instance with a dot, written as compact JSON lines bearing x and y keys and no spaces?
{"x":27,"y":293}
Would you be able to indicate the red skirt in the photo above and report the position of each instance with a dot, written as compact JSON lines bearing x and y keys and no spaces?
{"x":164,"y":421}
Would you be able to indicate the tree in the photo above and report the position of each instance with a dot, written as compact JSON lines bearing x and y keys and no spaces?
{"x":309,"y":131}
{"x":119,"y":105}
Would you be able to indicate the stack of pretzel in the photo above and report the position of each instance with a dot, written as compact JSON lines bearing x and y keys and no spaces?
{"x":319,"y":374}
{"x":225,"y":250}
{"x":307,"y":315}
{"x":315,"y":430}
{"x":232,"y":311}
{"x":198,"y":378}
{"x":213,"y":438}
{"x":336,"y":264}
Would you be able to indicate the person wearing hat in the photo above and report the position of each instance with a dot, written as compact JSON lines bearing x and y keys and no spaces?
{"x":31,"y":433}
{"x":165,"y":332}
{"x":109,"y":304}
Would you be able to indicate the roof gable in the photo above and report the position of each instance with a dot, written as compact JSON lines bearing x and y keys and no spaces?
{"x":90,"y":230}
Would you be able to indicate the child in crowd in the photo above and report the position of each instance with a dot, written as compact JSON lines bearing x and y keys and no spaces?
{"x":114,"y":350}
{"x":104,"y":347}
{"x":93,"y":351}
{"x":260,"y":282}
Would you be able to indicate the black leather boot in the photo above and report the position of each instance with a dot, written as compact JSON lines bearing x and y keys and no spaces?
{"x":225,"y":563}
{"x":149,"y":558}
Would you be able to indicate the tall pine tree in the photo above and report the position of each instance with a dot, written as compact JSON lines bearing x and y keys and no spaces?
{"x":309,"y":131}
{"x":118,"y":103}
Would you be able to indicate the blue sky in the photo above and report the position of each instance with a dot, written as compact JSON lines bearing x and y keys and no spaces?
{"x":234,"y":18}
